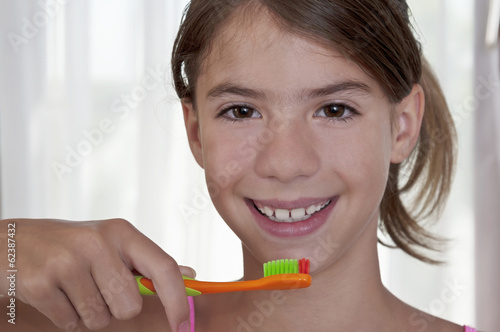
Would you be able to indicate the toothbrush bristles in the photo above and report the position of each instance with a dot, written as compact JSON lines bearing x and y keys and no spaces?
{"x":304,"y":266}
{"x":282,"y":266}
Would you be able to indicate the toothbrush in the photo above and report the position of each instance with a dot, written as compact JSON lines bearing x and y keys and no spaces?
{"x":278,"y":274}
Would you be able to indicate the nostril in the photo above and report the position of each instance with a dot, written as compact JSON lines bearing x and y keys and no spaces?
{"x":287,"y":157}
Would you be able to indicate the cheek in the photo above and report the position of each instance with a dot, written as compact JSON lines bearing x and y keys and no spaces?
{"x":225,"y":157}
{"x":362,"y":160}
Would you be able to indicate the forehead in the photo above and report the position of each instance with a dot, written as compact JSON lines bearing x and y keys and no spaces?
{"x":253,"y":48}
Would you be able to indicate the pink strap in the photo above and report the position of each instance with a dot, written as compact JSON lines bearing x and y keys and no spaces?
{"x":191,"y":313}
{"x":469,"y":329}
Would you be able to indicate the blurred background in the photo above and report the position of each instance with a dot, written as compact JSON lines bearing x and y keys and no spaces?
{"x":91,"y":128}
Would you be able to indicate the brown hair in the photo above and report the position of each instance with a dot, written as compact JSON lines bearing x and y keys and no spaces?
{"x":378,"y":36}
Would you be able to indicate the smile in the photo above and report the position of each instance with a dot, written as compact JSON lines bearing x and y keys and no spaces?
{"x":286,"y":219}
{"x":291,"y":215}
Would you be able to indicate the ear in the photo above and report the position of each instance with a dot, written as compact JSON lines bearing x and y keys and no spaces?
{"x":409,"y":115}
{"x":193,"y":130}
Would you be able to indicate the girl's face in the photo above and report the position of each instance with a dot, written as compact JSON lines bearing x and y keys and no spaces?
{"x":295,"y":140}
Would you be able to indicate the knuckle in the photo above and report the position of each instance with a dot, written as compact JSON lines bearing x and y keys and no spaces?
{"x":93,"y":311}
{"x":98,"y":323}
{"x":91,"y":239}
{"x":119,"y":223}
{"x":34,"y":290}
{"x":167,"y":265}
{"x":66,"y":324}
{"x":70,"y":326}
{"x":62,"y":315}
{"x":128,"y":312}
{"x":64,"y":264}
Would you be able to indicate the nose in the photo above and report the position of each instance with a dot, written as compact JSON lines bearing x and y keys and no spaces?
{"x":288,"y":154}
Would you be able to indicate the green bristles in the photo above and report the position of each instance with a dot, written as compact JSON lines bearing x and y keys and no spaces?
{"x":281,"y":266}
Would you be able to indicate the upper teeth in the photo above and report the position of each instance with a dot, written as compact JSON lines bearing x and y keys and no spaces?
{"x":284,"y":215}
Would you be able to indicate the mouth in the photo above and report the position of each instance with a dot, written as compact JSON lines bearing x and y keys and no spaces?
{"x":291,"y":215}
{"x":291,"y":218}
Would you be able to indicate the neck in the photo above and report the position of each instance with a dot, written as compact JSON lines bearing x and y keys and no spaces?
{"x":341,"y":294}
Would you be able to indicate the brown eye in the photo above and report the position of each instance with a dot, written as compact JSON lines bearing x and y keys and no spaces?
{"x":337,"y":112}
{"x":334,"y":111}
{"x":242,"y":112}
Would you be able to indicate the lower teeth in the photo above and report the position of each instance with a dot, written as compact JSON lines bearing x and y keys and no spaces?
{"x":273,"y":218}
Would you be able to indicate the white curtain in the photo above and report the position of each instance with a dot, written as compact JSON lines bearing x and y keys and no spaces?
{"x":487,"y":165}
{"x":90,"y":128}
{"x":445,"y":29}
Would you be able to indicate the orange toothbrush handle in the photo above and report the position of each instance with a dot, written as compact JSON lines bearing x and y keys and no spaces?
{"x":196,"y":287}
{"x":278,"y":281}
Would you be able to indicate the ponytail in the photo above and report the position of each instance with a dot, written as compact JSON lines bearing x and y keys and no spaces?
{"x":427,"y":174}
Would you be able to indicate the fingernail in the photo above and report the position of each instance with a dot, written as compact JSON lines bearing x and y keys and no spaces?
{"x":184,"y":327}
{"x":194,"y":273}
{"x":188,"y":271}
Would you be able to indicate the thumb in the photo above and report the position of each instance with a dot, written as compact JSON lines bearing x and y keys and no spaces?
{"x":187,"y":271}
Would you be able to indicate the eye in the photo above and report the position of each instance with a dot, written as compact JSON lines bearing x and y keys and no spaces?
{"x":242,"y":112}
{"x":333,"y":111}
{"x":239,"y":112}
{"x":336,"y":112}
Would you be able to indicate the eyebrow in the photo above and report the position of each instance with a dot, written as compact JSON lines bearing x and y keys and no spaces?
{"x":229,"y":88}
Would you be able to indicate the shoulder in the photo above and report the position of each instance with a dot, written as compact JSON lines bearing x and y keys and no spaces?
{"x":414,"y":320}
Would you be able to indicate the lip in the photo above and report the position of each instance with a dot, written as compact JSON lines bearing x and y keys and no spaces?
{"x":296,"y":229}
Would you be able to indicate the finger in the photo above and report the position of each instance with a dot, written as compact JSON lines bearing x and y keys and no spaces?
{"x":57,"y":308}
{"x":170,"y":287}
{"x":118,"y":287}
{"x":86,"y":298}
{"x":187,"y":271}
{"x":110,"y":273}
{"x":158,"y":266}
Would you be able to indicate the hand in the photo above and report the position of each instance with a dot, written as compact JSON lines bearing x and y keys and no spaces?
{"x":82,"y":270}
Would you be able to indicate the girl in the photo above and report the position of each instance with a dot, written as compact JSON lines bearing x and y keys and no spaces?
{"x":311,"y":110}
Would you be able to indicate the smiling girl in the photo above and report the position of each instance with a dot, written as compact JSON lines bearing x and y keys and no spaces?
{"x":311,"y":109}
